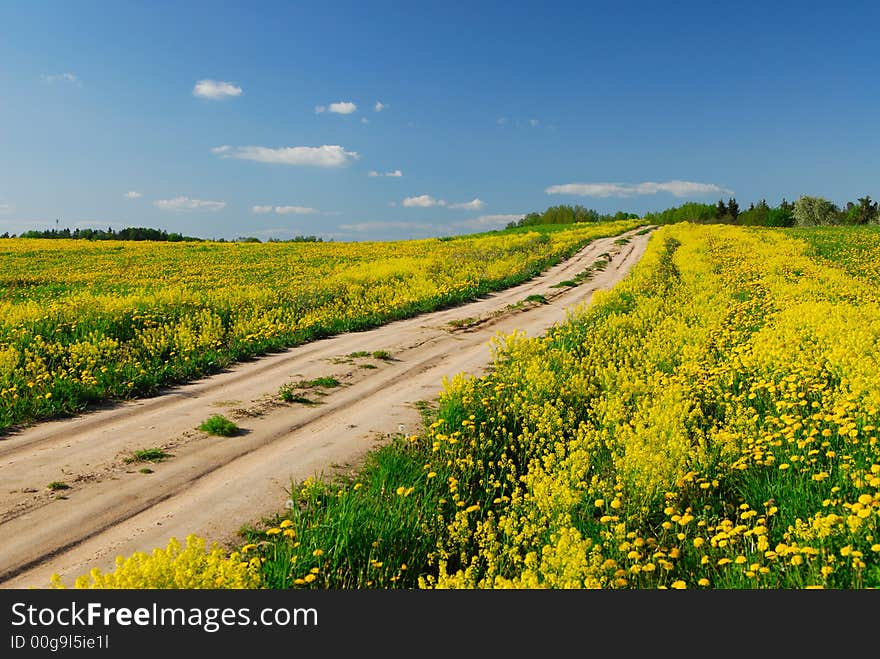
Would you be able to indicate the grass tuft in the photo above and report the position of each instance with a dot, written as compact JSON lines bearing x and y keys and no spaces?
{"x":219,"y":425}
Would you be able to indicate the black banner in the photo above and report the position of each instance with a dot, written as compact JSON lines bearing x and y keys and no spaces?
{"x":114,"y":623}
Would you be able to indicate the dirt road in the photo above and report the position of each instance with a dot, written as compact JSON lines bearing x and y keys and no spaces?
{"x":212,"y":485}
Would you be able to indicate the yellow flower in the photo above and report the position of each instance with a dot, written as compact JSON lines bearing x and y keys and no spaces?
{"x":678,"y":585}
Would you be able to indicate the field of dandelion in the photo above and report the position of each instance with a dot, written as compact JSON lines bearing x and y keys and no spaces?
{"x":89,"y":321}
{"x":711,"y":422}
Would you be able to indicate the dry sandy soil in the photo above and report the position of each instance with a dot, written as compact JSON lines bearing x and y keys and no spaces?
{"x":211,"y":485}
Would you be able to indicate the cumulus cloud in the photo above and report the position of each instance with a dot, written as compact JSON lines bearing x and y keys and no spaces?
{"x":132,"y":194}
{"x":379,"y":106}
{"x":533,"y":122}
{"x":215,"y":89}
{"x":283,"y":210}
{"x":422,"y":201}
{"x":381,"y":226}
{"x":486,"y":222}
{"x":187,"y":204}
{"x":501,"y":121}
{"x":472,"y":205}
{"x":395,"y":173}
{"x":295,"y":210}
{"x":327,"y":155}
{"x":676,"y":188}
{"x":63,"y":77}
{"x":342,"y":107}
{"x":364,"y":120}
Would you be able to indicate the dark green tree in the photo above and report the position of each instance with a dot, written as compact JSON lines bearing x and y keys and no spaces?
{"x":732,"y":209}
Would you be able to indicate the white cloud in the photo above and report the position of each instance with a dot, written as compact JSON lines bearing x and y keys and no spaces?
{"x":295,"y":210}
{"x":422,"y":201}
{"x":395,"y":173}
{"x":676,"y":188}
{"x":364,"y":120}
{"x":380,"y":226}
{"x":5,"y":208}
{"x":215,"y":89}
{"x":63,"y":77}
{"x":327,"y":155}
{"x":132,"y":194}
{"x":473,"y":205}
{"x":283,"y":210}
{"x":221,"y":149}
{"x":187,"y":204}
{"x":490,"y":221}
{"x":533,"y":122}
{"x":379,"y":106}
{"x":342,"y":107}
{"x":501,"y":121}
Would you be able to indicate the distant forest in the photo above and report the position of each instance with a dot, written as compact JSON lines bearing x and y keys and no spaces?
{"x":141,"y":233}
{"x":805,"y":211}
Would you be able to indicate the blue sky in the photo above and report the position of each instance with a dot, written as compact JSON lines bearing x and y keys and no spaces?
{"x":267,"y":119}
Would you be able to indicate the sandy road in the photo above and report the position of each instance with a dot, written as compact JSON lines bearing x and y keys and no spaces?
{"x":211,"y":485}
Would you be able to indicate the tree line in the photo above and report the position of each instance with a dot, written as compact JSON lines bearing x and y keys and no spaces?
{"x":128,"y":233}
{"x":806,"y":211}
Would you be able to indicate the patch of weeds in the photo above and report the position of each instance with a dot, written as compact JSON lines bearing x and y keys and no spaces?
{"x":567,"y":282}
{"x":537,"y":298}
{"x":56,"y":486}
{"x":289,"y":394}
{"x":145,"y":470}
{"x":427,"y":410}
{"x":219,"y":425}
{"x":464,"y":322}
{"x":381,"y":354}
{"x":367,"y":365}
{"x":359,"y":353}
{"x":621,"y":241}
{"x":326,"y":382}
{"x":147,"y":455}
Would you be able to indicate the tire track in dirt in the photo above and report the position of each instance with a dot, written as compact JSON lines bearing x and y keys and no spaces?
{"x":212,"y":486}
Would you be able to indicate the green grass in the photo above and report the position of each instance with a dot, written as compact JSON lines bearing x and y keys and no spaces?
{"x":359,"y":353}
{"x":464,"y":322}
{"x":219,"y":425}
{"x":372,"y":532}
{"x":289,"y":393}
{"x":145,"y":470}
{"x":326,"y":382}
{"x":381,"y":354}
{"x":539,"y":299}
{"x":55,"y":486}
{"x":148,"y":455}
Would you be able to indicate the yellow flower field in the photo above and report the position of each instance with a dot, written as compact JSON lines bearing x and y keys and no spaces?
{"x":85,"y":321}
{"x":711,"y":422}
